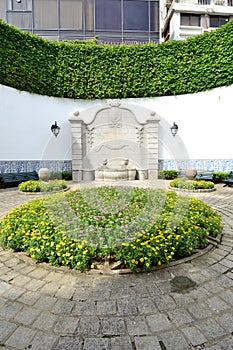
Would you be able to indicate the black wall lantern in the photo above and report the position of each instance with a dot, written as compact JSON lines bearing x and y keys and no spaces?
{"x":55,"y":129}
{"x":174,"y":129}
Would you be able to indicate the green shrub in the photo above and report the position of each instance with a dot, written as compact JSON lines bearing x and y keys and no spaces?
{"x":65,"y":175}
{"x":42,"y":186}
{"x":219,"y":176}
{"x":139,"y":227}
{"x":184,"y":183}
{"x":99,"y":71}
{"x":168,"y":174}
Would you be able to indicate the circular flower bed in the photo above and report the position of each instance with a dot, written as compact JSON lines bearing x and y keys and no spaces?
{"x":42,"y":186}
{"x":186,"y":184}
{"x":139,"y":227}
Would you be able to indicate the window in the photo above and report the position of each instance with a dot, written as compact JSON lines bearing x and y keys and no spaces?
{"x":204,"y":2}
{"x":188,"y":19}
{"x":108,"y":14}
{"x":218,"y":21}
{"x":71,"y":14}
{"x":45,"y":14}
{"x":24,"y":5}
{"x":154,"y":16}
{"x":135,"y":15}
{"x":19,"y":14}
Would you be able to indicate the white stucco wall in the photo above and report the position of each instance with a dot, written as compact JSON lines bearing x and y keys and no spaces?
{"x":205,"y":124}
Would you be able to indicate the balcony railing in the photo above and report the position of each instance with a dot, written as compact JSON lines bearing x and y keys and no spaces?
{"x":204,"y":2}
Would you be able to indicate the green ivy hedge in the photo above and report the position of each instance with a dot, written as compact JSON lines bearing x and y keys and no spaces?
{"x":90,"y":70}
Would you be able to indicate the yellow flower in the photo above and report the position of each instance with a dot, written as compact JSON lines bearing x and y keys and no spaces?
{"x":159,"y":263}
{"x":133,"y":261}
{"x":141,"y":259}
{"x":147,"y":264}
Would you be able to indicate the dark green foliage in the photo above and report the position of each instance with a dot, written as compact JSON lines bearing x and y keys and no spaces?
{"x":90,"y":70}
{"x":65,"y":175}
{"x":219,"y":176}
{"x":168,"y":174}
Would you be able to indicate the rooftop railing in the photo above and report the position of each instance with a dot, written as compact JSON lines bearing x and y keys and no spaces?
{"x":204,"y":2}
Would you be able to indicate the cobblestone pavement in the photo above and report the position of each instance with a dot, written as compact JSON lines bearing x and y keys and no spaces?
{"x":43,"y":308}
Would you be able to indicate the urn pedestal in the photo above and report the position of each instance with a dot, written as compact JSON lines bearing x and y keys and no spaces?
{"x":191,"y":173}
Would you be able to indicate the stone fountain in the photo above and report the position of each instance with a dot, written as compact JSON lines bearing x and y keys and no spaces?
{"x":124,"y":135}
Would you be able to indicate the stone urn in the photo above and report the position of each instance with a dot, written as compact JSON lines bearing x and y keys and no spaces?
{"x":191,"y":173}
{"x":44,"y":174}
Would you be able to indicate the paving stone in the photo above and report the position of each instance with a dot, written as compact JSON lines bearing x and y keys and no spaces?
{"x":138,"y":290}
{"x":65,"y":292}
{"x":120,"y":343}
{"x":211,"y":286}
{"x":227,"y":296}
{"x":200,"y":311}
{"x":181,"y":300}
{"x":13,"y":293}
{"x":83,"y":308}
{"x":225,"y":281}
{"x":174,"y":340}
{"x":50,"y":288}
{"x":211,"y":329}
{"x":6,"y":329}
{"x":180,"y":317}
{"x":68,"y":325}
{"x":158,"y":322}
{"x":127,"y":306}
{"x":63,"y":307}
{"x":10,"y":309}
{"x":13,"y":261}
{"x":148,"y":343}
{"x":20,"y":281}
{"x":107,"y":307}
{"x":98,"y":295}
{"x":194,"y":336}
{"x":34,"y":284}
{"x":4,"y":287}
{"x":27,"y":315}
{"x":45,"y":321}
{"x":164,"y":302}
{"x":136,"y":325}
{"x":226,"y":343}
{"x":146,"y":306}
{"x":96,"y":344}
{"x":45,"y":302}
{"x":217,"y":304}
{"x":42,"y":341}
{"x":113,"y":326}
{"x":81,"y":294}
{"x":88,"y":326}
{"x":226,"y":321}
{"x":53,"y":276}
{"x":29,"y":298}
{"x":69,"y":343}
{"x":39,"y":273}
{"x":119,"y":293}
{"x":21,"y":338}
{"x":26,"y":269}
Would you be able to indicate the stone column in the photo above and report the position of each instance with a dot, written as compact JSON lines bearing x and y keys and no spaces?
{"x":77,"y":146}
{"x":152,"y":146}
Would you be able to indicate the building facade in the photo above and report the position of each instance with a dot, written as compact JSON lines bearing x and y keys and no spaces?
{"x":185,"y":18}
{"x":110,"y":21}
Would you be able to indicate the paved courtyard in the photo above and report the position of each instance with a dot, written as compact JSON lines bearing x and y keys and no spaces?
{"x":44,"y":308}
